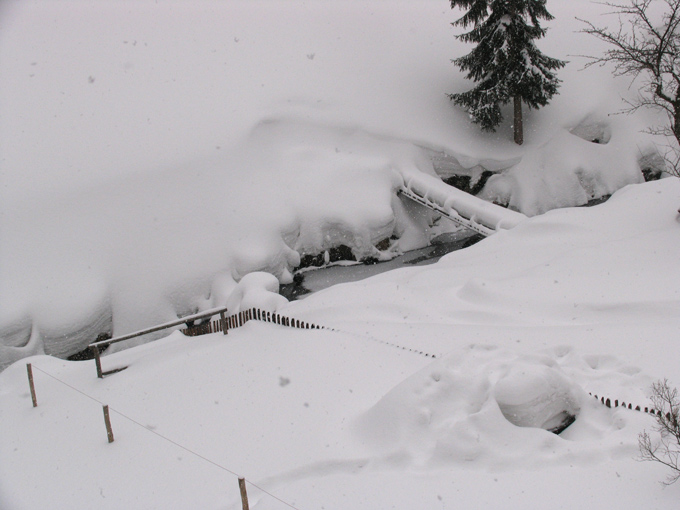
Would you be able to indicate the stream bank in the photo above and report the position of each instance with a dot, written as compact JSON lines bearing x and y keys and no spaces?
{"x":313,"y":279}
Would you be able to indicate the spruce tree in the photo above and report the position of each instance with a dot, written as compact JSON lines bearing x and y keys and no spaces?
{"x":506,"y":64}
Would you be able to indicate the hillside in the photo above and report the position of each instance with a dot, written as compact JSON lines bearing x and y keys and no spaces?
{"x":160,"y":159}
{"x":155,"y":153}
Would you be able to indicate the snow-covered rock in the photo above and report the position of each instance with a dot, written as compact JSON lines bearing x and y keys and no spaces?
{"x":538,"y":395}
{"x":256,"y":290}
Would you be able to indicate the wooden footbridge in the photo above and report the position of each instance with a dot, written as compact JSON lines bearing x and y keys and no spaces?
{"x":460,"y":207}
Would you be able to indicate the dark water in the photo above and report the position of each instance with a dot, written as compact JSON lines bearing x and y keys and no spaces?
{"x":310,"y":280}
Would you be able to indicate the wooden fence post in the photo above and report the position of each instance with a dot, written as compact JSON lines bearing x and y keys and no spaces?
{"x":29,"y":369}
{"x":223,"y":318}
{"x":97,"y":361}
{"x":244,"y":493}
{"x":107,"y":421}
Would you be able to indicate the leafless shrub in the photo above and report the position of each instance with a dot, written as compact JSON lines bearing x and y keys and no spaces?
{"x":665,"y":449}
{"x":647,"y":48}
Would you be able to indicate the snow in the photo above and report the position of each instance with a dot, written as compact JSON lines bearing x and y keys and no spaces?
{"x":457,"y":202}
{"x":163,"y":159}
{"x":256,"y":290}
{"x":349,"y":418}
{"x":276,"y":129}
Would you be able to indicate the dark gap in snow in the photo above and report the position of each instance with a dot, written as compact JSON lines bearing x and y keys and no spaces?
{"x":466,"y":183}
{"x":597,"y":201}
{"x":312,"y":280}
{"x":334,"y":254}
{"x":86,"y":353}
{"x":651,"y":174}
{"x":464,"y":173}
{"x":594,"y":131}
{"x":652,"y":165}
{"x":566,"y":420}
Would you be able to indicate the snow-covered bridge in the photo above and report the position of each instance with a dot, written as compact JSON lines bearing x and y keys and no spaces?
{"x":462,"y":208}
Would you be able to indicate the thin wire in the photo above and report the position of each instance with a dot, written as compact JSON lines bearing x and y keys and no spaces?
{"x":167,"y":439}
{"x":67,"y":384}
{"x":272,"y":496}
{"x":357,"y":335}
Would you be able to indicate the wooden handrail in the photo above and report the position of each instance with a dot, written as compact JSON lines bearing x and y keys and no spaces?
{"x":183,"y":320}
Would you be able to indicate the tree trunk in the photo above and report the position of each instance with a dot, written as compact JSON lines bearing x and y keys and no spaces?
{"x":519,"y":131}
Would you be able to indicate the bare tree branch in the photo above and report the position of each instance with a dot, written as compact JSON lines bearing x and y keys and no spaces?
{"x":649,"y":50}
{"x":666,"y":450}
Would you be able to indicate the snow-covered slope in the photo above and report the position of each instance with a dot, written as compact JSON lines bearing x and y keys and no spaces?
{"x":575,"y":301}
{"x":151,"y":150}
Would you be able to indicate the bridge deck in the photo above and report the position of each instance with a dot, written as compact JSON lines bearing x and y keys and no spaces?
{"x":462,"y":208}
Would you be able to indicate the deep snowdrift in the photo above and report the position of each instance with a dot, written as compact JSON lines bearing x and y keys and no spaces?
{"x":582,"y":300}
{"x":149,"y":150}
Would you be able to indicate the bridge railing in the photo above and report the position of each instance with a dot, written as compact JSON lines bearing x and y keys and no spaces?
{"x":97,"y":347}
{"x":461,"y":207}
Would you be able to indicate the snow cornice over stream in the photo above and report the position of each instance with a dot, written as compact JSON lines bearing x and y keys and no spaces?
{"x":157,"y":154}
{"x":160,"y":159}
{"x":573,"y":302}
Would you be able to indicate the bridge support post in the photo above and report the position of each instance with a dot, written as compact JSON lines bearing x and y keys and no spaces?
{"x":97,"y":360}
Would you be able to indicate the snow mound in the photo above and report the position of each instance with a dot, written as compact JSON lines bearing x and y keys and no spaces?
{"x":590,"y":161}
{"x":302,"y":151}
{"x":593,"y":130}
{"x":493,"y":406}
{"x":338,"y":181}
{"x":256,"y":290}
{"x":535,"y":395}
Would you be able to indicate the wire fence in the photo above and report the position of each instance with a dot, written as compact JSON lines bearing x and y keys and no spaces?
{"x":156,"y":433}
{"x":222,"y":325}
{"x":241,"y":318}
{"x":238,"y":320}
{"x":608,"y":402}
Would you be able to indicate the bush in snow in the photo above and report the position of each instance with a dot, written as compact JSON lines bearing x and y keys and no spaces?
{"x":667,"y":449}
{"x":647,"y":46}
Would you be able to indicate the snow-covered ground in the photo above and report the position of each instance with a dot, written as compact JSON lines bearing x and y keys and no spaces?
{"x":153,"y":151}
{"x":156,"y":154}
{"x":577,"y":300}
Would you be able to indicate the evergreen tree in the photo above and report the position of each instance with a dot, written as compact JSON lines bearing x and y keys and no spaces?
{"x":506,"y":63}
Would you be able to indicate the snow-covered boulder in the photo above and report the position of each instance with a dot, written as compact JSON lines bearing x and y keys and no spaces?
{"x":485,"y":402}
{"x":256,"y":290}
{"x":536,"y":395}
